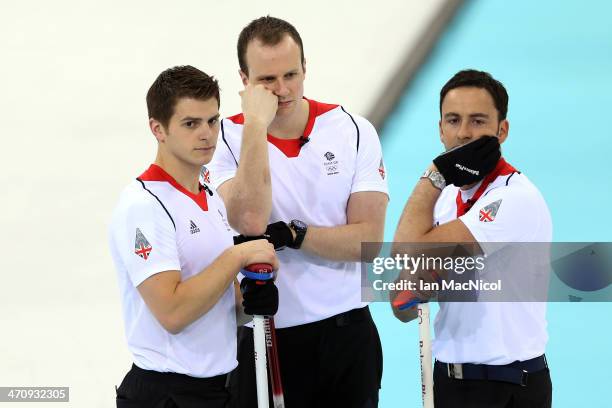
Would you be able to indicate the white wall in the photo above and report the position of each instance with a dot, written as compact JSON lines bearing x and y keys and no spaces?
{"x":73,"y":76}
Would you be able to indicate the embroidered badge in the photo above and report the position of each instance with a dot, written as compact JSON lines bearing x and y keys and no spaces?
{"x":488,"y":213}
{"x":331,"y":165}
{"x":142,"y":248}
{"x":205,"y":174}
{"x":381,"y":169}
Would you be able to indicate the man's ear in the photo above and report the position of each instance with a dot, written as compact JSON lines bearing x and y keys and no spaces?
{"x":504,"y":128}
{"x":243,"y":77}
{"x":158,"y":130}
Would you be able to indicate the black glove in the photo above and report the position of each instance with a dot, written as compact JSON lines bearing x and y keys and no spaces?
{"x":278,"y":234}
{"x":259,"y":297}
{"x":470,"y":162}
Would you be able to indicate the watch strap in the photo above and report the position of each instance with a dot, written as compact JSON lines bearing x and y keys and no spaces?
{"x":300,"y":234}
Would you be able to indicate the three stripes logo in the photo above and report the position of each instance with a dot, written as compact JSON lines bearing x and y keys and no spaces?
{"x":193,"y":227}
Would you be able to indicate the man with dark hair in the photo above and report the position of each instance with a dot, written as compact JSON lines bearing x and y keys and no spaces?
{"x":175,"y":83}
{"x":172,"y":248}
{"x":314,"y":173}
{"x":481,"y":80}
{"x":488,"y":354}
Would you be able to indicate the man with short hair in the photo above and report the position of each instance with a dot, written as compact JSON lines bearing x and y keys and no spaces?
{"x":488,"y":354}
{"x":314,"y":173}
{"x":176,"y":265}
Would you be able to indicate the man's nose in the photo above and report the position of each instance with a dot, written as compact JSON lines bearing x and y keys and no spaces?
{"x":465,"y":132}
{"x":205,"y":132}
{"x":281,"y":88}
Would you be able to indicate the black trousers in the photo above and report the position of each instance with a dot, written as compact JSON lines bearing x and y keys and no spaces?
{"x":151,"y":389}
{"x":454,"y":393}
{"x":336,"y":362}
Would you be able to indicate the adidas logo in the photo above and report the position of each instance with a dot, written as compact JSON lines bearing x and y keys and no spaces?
{"x":194,"y":228}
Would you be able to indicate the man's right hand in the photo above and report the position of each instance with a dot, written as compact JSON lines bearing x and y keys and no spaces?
{"x":256,"y":252}
{"x":420,"y":279}
{"x":259,"y":105}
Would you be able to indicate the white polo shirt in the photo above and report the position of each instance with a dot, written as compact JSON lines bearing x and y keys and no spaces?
{"x":313,"y":184}
{"x":159,"y":226}
{"x":496,"y":333}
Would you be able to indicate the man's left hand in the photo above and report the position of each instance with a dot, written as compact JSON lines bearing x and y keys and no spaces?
{"x":259,"y":297}
{"x":278,"y":234}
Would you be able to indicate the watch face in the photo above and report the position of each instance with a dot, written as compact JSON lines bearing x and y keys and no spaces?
{"x":437,"y":180}
{"x":299,"y":224}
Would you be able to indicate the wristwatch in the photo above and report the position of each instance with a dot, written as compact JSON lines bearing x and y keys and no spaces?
{"x":300,"y":229}
{"x":436,"y":178}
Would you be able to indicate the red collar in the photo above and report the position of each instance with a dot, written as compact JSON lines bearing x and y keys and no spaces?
{"x":501,"y":169}
{"x":156,"y":173}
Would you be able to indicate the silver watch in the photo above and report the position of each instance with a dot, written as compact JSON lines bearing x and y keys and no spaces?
{"x":436,"y":178}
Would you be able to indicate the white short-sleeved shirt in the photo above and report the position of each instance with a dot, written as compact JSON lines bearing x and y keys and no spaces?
{"x":312,"y":183}
{"x":496,"y":332}
{"x":159,"y":226}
